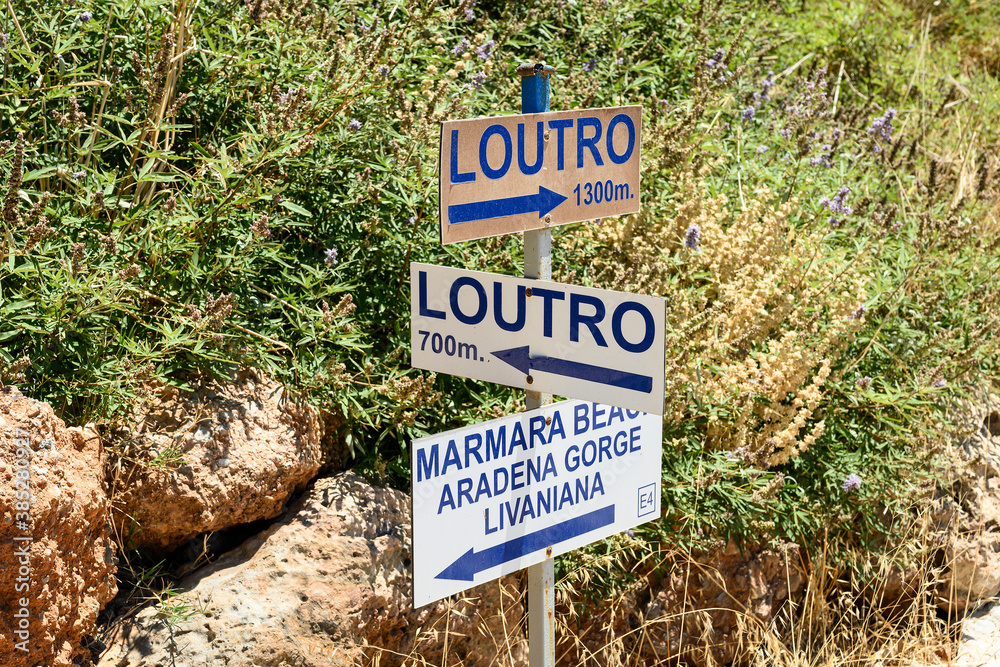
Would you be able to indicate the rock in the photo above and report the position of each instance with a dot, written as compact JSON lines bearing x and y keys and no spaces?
{"x":969,"y":527}
{"x":225,"y":455}
{"x":51,"y":594}
{"x":327,"y":584}
{"x":695,"y":614}
{"x":973,"y":570}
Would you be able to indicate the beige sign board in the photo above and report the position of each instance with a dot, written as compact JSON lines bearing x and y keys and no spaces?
{"x":531,"y":171}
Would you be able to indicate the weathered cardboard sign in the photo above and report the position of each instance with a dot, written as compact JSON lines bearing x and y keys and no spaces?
{"x":531,"y":171}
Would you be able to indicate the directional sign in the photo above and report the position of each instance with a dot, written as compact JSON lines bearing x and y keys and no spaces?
{"x":555,"y":338}
{"x":492,"y":498}
{"x":515,"y":173}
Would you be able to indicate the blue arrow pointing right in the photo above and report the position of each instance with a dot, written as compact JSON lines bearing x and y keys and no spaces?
{"x":543,"y":202}
{"x":469,"y":564}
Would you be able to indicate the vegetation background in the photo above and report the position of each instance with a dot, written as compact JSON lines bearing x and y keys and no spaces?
{"x":192,"y":187}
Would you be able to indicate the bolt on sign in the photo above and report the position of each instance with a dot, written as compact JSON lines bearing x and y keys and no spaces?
{"x":555,"y":338}
{"x":495,"y":497}
{"x":530,"y":171}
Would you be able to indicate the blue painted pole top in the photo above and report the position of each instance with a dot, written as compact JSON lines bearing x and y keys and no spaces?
{"x":535,"y":87}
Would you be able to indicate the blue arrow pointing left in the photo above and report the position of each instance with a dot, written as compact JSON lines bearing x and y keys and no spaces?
{"x":469,"y":564}
{"x":543,"y":202}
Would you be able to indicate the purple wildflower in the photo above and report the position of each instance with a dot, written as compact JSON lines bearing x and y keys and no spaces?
{"x":485,"y":51}
{"x":940,"y":383}
{"x":859,"y":313}
{"x":411,"y":220}
{"x":692,"y":237}
{"x":749,"y":113}
{"x":383,"y":70}
{"x":79,"y":175}
{"x":330,"y":256}
{"x":881,"y":129}
{"x":716,"y":60}
{"x":762,"y":149}
{"x":838,"y":204}
{"x":478,"y":79}
{"x":590,"y":65}
{"x":786,"y":132}
{"x":863,"y":383}
{"x":84,"y":17}
{"x":630,"y":532}
{"x":354,"y":125}
{"x":851,"y":483}
{"x":470,"y":15}
{"x":461,"y":47}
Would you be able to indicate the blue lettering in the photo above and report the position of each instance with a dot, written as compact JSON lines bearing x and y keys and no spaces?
{"x":518,"y":322}
{"x":557,"y":426}
{"x":480,"y":292}
{"x":517,"y":438}
{"x":539,"y":150}
{"x":560,"y":125}
{"x":634,"y":444}
{"x":451,"y":458}
{"x":591,"y":143}
{"x":516,"y":475}
{"x":616,"y":327}
{"x":456,"y":177}
{"x":580,"y":417}
{"x":486,"y":517}
{"x":508,"y":150}
{"x":576,"y":318}
{"x":474,"y":451}
{"x":427,"y":468}
{"x":496,"y":445}
{"x":446,"y":499}
{"x":598,"y":485}
{"x":604,"y":448}
{"x":527,"y":511}
{"x":548,"y":296}
{"x":497,"y":489}
{"x":464,"y":490}
{"x":623,"y":158}
{"x":598,"y":412}
{"x":536,"y":426}
{"x":621,"y":438}
{"x":613,"y":412}
{"x":572,"y":458}
{"x":483,"y":489}
{"x":422,"y":289}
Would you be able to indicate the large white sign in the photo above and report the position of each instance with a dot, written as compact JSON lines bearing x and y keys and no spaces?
{"x":515,"y":173}
{"x":550,"y":337}
{"x":499,"y":496}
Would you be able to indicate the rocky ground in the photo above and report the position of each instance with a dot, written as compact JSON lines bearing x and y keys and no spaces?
{"x":980,"y":642}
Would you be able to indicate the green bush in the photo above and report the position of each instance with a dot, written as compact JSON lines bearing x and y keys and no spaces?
{"x":191,"y":188}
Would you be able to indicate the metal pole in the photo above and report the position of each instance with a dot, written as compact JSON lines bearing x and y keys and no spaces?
{"x":538,"y":265}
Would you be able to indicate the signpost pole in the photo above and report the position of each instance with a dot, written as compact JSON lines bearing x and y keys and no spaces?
{"x":538,"y":265}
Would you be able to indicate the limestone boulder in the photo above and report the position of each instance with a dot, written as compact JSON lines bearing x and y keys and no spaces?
{"x":56,"y":548}
{"x":227,"y":454}
{"x":326,"y":584}
{"x":970,"y":530}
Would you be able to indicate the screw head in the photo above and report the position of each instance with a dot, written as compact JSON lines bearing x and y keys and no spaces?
{"x":529,"y":379}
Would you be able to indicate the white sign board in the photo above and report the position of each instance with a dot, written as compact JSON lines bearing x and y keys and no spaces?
{"x":550,"y":337}
{"x":515,"y":173}
{"x":499,"y":496}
